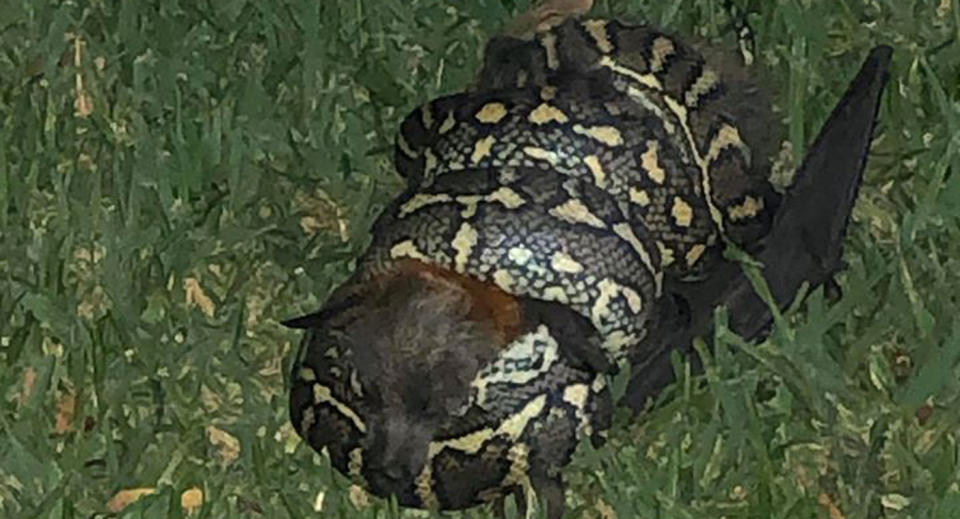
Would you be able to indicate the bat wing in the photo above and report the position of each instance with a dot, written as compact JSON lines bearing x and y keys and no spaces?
{"x":805,"y":243}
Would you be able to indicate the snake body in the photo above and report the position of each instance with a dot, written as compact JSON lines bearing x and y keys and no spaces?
{"x":593,"y":159}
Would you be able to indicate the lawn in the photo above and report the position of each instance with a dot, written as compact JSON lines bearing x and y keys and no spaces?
{"x":176,"y":177}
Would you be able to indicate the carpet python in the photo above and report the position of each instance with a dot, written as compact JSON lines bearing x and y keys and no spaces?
{"x":596,"y":158}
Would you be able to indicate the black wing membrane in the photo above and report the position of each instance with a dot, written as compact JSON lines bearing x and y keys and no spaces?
{"x":804,"y":245}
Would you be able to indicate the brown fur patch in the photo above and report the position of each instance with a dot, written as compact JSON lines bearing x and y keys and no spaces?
{"x":488,"y":302}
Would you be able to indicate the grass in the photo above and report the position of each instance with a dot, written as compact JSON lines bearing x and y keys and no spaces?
{"x":176,"y":177}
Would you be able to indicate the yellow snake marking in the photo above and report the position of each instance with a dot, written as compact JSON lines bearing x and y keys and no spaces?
{"x":650,"y":161}
{"x":429,"y":163}
{"x":563,"y":262}
{"x":517,"y":475}
{"x":643,"y":98}
{"x":694,"y":254}
{"x":355,"y":463}
{"x":419,"y":201}
{"x":666,"y":254}
{"x":662,"y":49}
{"x":322,"y":395}
{"x":307,"y":374}
{"x":491,"y":113}
{"x":598,"y":384}
{"x":470,"y":203}
{"x":727,"y":137}
{"x":518,"y":455}
{"x":616,"y":342}
{"x":625,"y":232}
{"x":507,"y":197}
{"x":424,"y":488}
{"x":405,"y":147}
{"x":639,"y":197}
{"x":549,"y":43}
{"x":547,"y":93}
{"x":748,"y":209}
{"x":601,"y":306}
{"x":482,"y":148}
{"x":507,"y":175}
{"x":609,"y":289}
{"x":705,"y":82}
{"x":634,"y":301}
{"x":426,"y":116}
{"x":504,"y":196}
{"x":519,"y":255}
{"x":522,"y":76}
{"x":307,"y":421}
{"x":448,"y":123}
{"x":573,"y":211}
{"x":545,"y":113}
{"x":596,"y":169}
{"x":463,"y":243}
{"x":541,"y":154}
{"x":355,"y":384}
{"x":648,"y":80}
{"x":511,"y":428}
{"x":598,"y":31}
{"x":607,"y":135}
{"x":555,"y":293}
{"x":576,"y":395}
{"x":682,"y":212}
{"x":503,"y":279}
{"x":407,"y":249}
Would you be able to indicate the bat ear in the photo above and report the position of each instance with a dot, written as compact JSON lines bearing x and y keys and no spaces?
{"x":816,"y":209}
{"x":305,"y":322}
{"x":337,"y":304}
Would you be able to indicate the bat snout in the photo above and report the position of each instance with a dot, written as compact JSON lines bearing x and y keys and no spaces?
{"x":397,"y":452}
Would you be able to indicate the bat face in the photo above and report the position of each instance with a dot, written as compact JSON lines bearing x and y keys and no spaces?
{"x":402,"y":388}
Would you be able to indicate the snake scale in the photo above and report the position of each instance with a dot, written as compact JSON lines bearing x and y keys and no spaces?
{"x":543,"y":210}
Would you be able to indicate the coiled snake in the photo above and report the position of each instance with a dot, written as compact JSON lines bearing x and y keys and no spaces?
{"x":543,"y":210}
